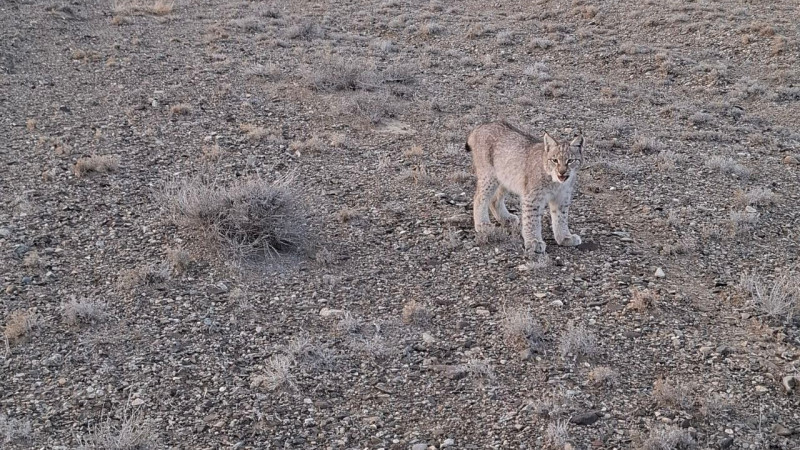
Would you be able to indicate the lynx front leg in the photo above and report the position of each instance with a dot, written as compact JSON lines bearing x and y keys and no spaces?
{"x":532,"y":209}
{"x":559,"y":215}
{"x":498,"y":208}
{"x":484,"y":192}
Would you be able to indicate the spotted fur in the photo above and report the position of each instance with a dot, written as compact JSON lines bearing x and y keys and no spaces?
{"x":542,"y":172}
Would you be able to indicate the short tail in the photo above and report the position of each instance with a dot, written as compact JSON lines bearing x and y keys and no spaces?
{"x":467,"y":147}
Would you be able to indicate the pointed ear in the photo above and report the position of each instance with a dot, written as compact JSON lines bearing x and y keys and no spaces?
{"x":577,"y":142}
{"x":549,"y":142}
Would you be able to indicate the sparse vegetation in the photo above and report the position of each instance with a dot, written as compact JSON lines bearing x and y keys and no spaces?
{"x":779,"y":300}
{"x":83,"y":311}
{"x":728,"y":166}
{"x":577,"y":341}
{"x":95,"y":164}
{"x":250,"y":217}
{"x":520,"y":329}
{"x":414,"y":313}
{"x":18,"y":324}
{"x":131,"y":432}
{"x":674,"y":394}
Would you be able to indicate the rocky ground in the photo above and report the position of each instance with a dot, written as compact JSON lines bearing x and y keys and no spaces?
{"x":674,"y":326}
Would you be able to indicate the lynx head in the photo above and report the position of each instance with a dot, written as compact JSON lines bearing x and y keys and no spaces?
{"x":562,"y":160}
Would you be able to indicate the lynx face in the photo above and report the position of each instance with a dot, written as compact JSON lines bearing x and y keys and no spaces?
{"x":562,"y":160}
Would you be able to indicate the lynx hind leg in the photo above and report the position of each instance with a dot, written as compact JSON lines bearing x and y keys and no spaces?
{"x":559,"y":215}
{"x":499,"y":210}
{"x":484,"y":192}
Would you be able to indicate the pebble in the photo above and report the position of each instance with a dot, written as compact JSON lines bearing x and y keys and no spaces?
{"x":726,"y":443}
{"x":660,"y":273}
{"x":328,"y":312}
{"x":428,"y":338}
{"x":419,"y":447}
{"x":781,"y":430}
{"x":448,"y":443}
{"x":791,"y":160}
{"x":21,"y":249}
{"x":526,"y":354}
{"x":5,"y":232}
{"x":557,"y":303}
{"x":761,"y":389}
{"x":790,"y":382}
{"x":137,"y":402}
{"x":586,"y":418}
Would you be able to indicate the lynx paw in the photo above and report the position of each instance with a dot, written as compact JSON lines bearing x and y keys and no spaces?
{"x":511,"y":221}
{"x":571,"y":240}
{"x":535,"y":247}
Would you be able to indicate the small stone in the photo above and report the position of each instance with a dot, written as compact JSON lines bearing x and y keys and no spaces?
{"x":540,"y":294}
{"x":557,"y":303}
{"x":761,"y":389}
{"x":137,"y":402}
{"x":428,"y":338}
{"x":705,"y":351}
{"x":724,"y":350}
{"x":310,"y":422}
{"x":21,"y":249}
{"x":5,"y":232}
{"x":328,"y":312}
{"x":526,"y":354}
{"x":448,"y":443}
{"x":781,"y":430}
{"x":790,"y":382}
{"x":660,"y":273}
{"x":791,"y":160}
{"x":750,"y":209}
{"x":586,"y":418}
{"x":482,"y":311}
{"x":419,"y":447}
{"x":726,"y":443}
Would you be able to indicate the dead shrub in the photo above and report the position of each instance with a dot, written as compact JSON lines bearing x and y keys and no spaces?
{"x":415,"y":313}
{"x":18,"y":324}
{"x":83,"y":311}
{"x":130,"y":432}
{"x":253,"y":217}
{"x":675,"y":395}
{"x":521,"y":329}
{"x":95,"y":164}
{"x":179,"y":259}
{"x":577,"y":341}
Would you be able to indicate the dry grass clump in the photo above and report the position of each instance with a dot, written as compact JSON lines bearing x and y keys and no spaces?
{"x":14,"y":430}
{"x":540,"y":43}
{"x":277,"y":374}
{"x":132,"y":432}
{"x":554,"y":89}
{"x":577,"y":341}
{"x":372,"y":107}
{"x":84,"y":311}
{"x":557,"y":434}
{"x":603,"y":376}
{"x":646,"y":145}
{"x":642,"y":299}
{"x":18,"y":324}
{"x":779,"y":301}
{"x":728,"y":166}
{"x":431,"y":29}
{"x":146,"y":275}
{"x":30,"y":124}
{"x":254,"y":132}
{"x":310,"y":355}
{"x":521,"y":329}
{"x":700,"y":118}
{"x":269,"y":71}
{"x":181,"y":109}
{"x":743,"y":221}
{"x":415,"y":313}
{"x":674,"y":395}
{"x":505,"y":38}
{"x":179,"y":259}
{"x":334,"y":74}
{"x":152,"y":7}
{"x":413,"y":151}
{"x":668,"y":439}
{"x":252,"y":217}
{"x":759,"y":196}
{"x":96,"y":164}
{"x":305,"y":31}
{"x":311,"y":145}
{"x":32,"y":260}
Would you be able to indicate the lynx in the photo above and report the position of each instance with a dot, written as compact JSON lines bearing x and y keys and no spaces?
{"x":540,"y":171}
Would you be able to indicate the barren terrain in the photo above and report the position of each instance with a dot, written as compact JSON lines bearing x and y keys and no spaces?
{"x":133,"y":318}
